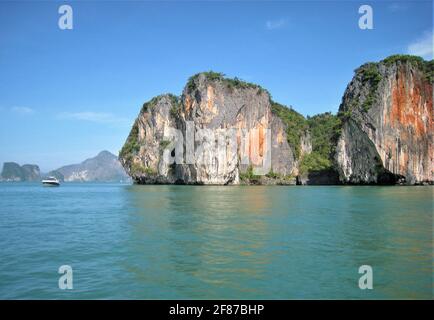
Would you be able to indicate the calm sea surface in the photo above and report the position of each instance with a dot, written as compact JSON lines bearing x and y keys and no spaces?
{"x":151,"y":242}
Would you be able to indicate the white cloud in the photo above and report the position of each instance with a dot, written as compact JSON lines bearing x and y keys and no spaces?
{"x":22,"y":110}
{"x":98,"y":117}
{"x":275,"y":24}
{"x":423,"y":46}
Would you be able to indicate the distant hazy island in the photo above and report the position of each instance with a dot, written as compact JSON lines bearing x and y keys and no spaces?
{"x":382,"y":133}
{"x":105,"y":167}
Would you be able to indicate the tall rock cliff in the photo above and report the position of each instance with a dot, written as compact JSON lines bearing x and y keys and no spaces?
{"x":387,"y":113}
{"x":220,"y":131}
{"x":382,"y":133}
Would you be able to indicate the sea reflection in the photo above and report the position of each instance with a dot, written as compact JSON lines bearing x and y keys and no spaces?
{"x":277,"y":242}
{"x":214,"y":236}
{"x":193,"y":242}
{"x":222,"y":222}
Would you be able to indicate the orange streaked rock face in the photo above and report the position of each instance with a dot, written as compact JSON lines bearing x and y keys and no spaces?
{"x":392,"y":140}
{"x":411,"y":115}
{"x":411,"y":107}
{"x":187,"y":104}
{"x":211,"y":107}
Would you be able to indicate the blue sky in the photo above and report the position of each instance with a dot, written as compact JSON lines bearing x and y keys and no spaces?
{"x":65,"y":95}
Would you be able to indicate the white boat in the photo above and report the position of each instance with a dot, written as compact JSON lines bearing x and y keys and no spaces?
{"x":50,"y":181}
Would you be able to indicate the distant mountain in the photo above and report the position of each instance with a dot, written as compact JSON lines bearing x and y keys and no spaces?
{"x":14,"y":172}
{"x":104,"y":167}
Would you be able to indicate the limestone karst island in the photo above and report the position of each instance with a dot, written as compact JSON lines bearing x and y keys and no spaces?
{"x":219,"y":151}
{"x":382,"y":133}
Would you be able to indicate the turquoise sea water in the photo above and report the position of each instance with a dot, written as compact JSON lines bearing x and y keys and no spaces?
{"x":193,"y":242}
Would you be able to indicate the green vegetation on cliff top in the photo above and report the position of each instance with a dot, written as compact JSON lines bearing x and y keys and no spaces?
{"x":147,"y":106}
{"x":221,"y":77}
{"x":426,"y":66}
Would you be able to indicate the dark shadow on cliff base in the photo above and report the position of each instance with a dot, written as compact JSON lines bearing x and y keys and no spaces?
{"x":388,"y":178}
{"x":320,"y":177}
